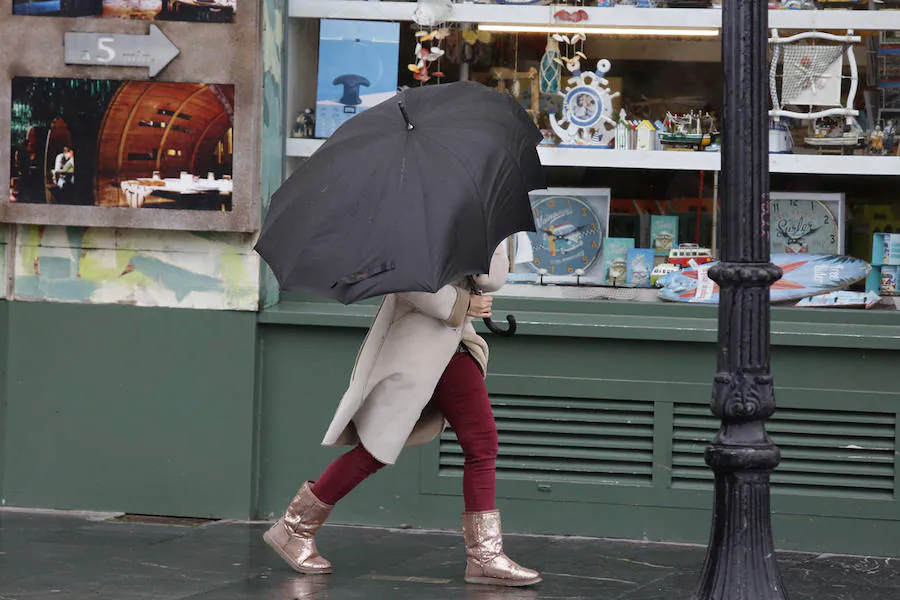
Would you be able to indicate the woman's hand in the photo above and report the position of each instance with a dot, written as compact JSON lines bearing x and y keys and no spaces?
{"x":479,"y":306}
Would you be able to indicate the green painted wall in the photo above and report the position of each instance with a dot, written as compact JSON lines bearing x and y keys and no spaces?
{"x":835,"y":411}
{"x":215,"y":413}
{"x":141,"y":410}
{"x":4,"y":336}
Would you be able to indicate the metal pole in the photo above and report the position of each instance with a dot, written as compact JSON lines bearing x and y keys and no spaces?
{"x":463,"y":65}
{"x":715,"y":216}
{"x":740,"y":561}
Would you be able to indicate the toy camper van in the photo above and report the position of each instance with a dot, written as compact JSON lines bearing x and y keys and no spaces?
{"x":684,"y":254}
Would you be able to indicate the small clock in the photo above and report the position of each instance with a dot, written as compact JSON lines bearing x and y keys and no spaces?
{"x":806,"y":223}
{"x":571,"y":226}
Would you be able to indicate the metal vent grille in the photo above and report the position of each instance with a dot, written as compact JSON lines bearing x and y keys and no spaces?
{"x":823,"y":452}
{"x":566,"y":440}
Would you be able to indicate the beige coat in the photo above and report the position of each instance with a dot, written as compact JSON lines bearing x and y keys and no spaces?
{"x":413,"y":338}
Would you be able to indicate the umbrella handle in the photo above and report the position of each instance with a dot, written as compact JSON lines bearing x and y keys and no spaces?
{"x":489,"y":322}
{"x":508,"y":332}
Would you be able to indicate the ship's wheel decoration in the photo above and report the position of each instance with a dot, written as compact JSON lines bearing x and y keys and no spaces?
{"x":587,"y":110}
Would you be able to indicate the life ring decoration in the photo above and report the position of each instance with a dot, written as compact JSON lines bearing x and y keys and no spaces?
{"x":586,"y":109}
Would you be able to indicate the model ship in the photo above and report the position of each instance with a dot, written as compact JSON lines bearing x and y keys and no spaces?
{"x":831,"y":133}
{"x":690,"y":131}
{"x":806,"y":83}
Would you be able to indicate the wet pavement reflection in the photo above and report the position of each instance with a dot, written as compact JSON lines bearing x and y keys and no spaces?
{"x":74,"y":557}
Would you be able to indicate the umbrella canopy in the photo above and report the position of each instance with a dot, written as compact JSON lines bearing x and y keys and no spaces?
{"x":409,"y":195}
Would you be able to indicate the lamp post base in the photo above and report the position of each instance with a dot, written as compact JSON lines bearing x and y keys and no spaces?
{"x":740,"y":563}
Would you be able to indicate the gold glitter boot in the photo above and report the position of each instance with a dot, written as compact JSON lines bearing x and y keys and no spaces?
{"x":293,"y":536}
{"x":486,"y":563}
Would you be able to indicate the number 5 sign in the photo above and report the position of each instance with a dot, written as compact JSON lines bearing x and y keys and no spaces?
{"x":121,"y":50}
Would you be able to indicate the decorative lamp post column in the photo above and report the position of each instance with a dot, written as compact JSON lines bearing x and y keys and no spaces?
{"x":740,"y":561}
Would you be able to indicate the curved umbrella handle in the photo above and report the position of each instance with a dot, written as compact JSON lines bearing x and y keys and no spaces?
{"x":508,"y":332}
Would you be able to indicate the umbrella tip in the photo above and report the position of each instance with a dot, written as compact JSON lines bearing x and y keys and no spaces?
{"x":409,"y":126}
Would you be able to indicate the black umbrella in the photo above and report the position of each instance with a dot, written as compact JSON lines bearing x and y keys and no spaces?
{"x":409,"y":195}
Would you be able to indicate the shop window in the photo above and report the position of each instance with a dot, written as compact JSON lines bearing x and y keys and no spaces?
{"x":631,"y":145}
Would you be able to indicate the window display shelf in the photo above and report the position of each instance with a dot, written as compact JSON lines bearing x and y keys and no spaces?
{"x":302,"y":147}
{"x":671,"y":160}
{"x":680,"y":161}
{"x":507,"y":14}
{"x":663,"y":18}
{"x":835,"y":165}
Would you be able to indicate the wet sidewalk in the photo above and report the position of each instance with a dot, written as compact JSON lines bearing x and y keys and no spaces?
{"x":74,"y":556}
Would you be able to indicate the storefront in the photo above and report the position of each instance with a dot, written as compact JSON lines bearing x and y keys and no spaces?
{"x":602,"y":397}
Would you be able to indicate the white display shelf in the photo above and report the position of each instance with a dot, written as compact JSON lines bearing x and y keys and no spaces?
{"x":835,"y":165}
{"x":680,"y":161}
{"x":506,"y":14}
{"x":301,"y":147}
{"x":671,"y":160}
{"x":668,"y":18}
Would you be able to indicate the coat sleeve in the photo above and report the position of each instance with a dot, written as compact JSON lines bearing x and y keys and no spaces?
{"x":449,"y":304}
{"x":496,"y":279}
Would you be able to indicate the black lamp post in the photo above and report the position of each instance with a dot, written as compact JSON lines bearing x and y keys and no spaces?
{"x":740,"y":561}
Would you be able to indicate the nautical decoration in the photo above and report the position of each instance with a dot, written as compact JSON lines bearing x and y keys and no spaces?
{"x":571,"y":16}
{"x":587,"y":110}
{"x":690,"y":130}
{"x":811,"y":75}
{"x":550,"y":68}
{"x":431,"y":17}
{"x":804,"y":275}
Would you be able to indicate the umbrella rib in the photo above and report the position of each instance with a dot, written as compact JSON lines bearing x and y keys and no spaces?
{"x":475,"y":187}
{"x":422,"y":195}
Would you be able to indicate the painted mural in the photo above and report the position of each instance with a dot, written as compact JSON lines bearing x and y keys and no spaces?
{"x":273,"y":131}
{"x":136,"y":267}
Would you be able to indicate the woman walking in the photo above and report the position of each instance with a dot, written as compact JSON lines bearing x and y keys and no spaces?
{"x":421,"y":365}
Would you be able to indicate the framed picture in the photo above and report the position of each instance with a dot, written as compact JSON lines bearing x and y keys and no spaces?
{"x":572,"y":226}
{"x":194,"y":11}
{"x":140,"y":145}
{"x":109,"y":146}
{"x":806,"y":223}
{"x":358,"y":68}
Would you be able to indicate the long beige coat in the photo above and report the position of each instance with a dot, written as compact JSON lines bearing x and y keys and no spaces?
{"x":413,"y":338}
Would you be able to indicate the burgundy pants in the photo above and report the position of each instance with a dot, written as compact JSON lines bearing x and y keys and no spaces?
{"x":462,"y":397}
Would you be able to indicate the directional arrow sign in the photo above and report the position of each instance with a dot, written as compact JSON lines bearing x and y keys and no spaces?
{"x":120,"y":50}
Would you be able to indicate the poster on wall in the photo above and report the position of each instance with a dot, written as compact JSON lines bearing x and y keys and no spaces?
{"x":358,"y":68}
{"x":135,"y":144}
{"x":196,"y":11}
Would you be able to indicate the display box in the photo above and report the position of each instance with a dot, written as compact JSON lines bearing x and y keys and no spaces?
{"x":570,"y":237}
{"x":358,"y":64}
{"x":640,"y":265}
{"x":615,"y":260}
{"x":663,"y":234}
{"x":890,"y":274}
{"x":886,"y":249}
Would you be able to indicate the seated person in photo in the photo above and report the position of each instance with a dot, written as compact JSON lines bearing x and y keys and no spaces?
{"x":58,"y":164}
{"x":66,"y":175}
